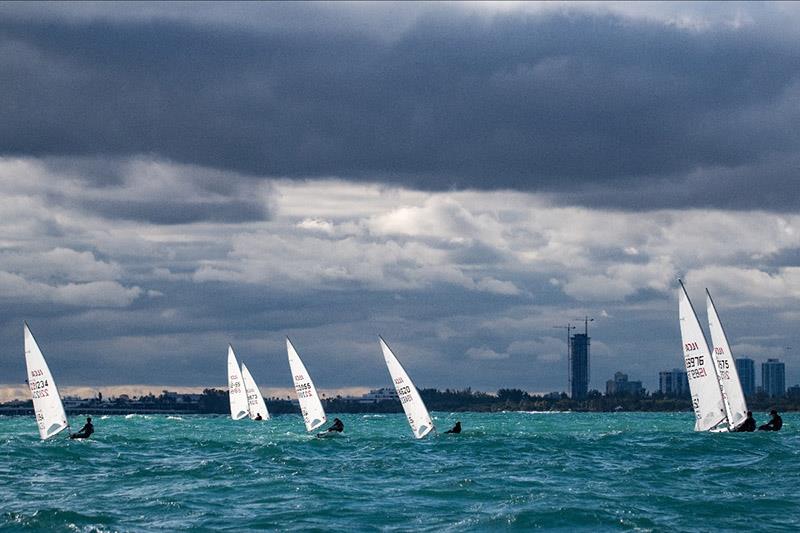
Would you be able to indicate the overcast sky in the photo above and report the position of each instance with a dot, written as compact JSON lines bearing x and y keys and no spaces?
{"x":459,"y":178}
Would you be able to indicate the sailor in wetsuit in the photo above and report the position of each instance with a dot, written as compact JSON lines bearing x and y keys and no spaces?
{"x":456,"y":428}
{"x":258,"y":417}
{"x":337,"y":426}
{"x":749,"y":423}
{"x":85,"y":432}
{"x":775,"y":423}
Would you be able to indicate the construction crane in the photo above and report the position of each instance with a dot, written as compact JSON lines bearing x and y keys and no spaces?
{"x":586,"y":320}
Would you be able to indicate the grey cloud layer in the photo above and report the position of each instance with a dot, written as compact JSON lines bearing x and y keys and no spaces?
{"x":467,"y":285}
{"x":598,"y":108}
{"x":457,"y":177}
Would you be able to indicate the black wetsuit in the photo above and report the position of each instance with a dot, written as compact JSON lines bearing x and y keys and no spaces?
{"x":773,"y":425}
{"x":337,"y":426}
{"x":85,"y":432}
{"x":749,"y":424}
{"x":456,"y":428}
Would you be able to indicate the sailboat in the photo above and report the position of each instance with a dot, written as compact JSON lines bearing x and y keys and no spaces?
{"x":310,"y":405}
{"x":255,"y":402}
{"x":50,"y":415}
{"x":726,"y":369}
{"x":236,"y":391}
{"x":710,"y":410}
{"x":418,"y":417}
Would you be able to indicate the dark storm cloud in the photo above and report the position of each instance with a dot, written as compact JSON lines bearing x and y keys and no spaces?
{"x":159,"y":192}
{"x":550,"y":102}
{"x":177,"y":212}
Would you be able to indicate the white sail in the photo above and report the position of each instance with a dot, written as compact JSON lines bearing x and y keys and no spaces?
{"x":255,"y":401}
{"x":726,"y":368}
{"x":707,"y":399}
{"x":418,"y":417}
{"x":50,"y":415}
{"x":311,"y":407}
{"x":236,"y":392}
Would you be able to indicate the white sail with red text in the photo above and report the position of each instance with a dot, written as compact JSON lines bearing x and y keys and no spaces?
{"x":418,"y":417}
{"x":310,"y":405}
{"x":236,"y":392}
{"x":50,"y":415}
{"x":726,"y":368}
{"x":255,"y":402}
{"x":707,"y":401}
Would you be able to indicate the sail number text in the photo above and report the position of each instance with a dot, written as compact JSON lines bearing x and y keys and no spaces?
{"x":691,"y":346}
{"x":36,"y":385}
{"x":694,"y":361}
{"x":303,"y":390}
{"x":723,"y":367}
{"x":404,"y":393}
{"x":696,"y":373}
{"x":39,"y":388}
{"x":694,"y":364}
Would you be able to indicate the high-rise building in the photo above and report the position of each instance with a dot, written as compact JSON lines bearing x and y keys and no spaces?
{"x":673,"y":382}
{"x":579,"y":366}
{"x":746,"y":369}
{"x":773,"y":377}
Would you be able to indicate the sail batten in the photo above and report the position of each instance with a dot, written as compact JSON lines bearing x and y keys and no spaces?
{"x":726,"y":368}
{"x":255,"y":401}
{"x":50,"y":416}
{"x":707,"y":401}
{"x":310,"y":404}
{"x":417,"y":414}
{"x":236,"y":391}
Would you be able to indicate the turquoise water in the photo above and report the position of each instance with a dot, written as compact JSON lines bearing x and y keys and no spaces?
{"x":557,"y":471}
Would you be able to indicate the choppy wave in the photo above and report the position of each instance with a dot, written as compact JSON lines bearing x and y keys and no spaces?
{"x":566,"y":471}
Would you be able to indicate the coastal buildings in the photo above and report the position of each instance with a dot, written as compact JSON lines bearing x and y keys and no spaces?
{"x":579,"y":366}
{"x":375,"y":395}
{"x":746,"y":369}
{"x":673,"y":382}
{"x":773,"y":377}
{"x":621,"y":386}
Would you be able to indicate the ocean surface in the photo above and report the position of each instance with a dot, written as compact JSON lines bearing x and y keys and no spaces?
{"x":506,"y":471}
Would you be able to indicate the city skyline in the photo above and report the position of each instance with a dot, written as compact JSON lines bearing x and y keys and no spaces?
{"x":459,"y":178}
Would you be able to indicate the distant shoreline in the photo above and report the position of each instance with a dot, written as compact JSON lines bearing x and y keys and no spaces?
{"x":215,"y":401}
